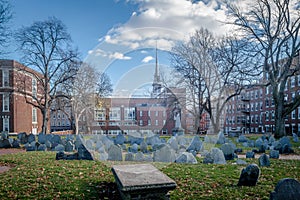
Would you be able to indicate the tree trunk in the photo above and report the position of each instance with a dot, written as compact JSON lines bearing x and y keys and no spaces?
{"x":279,"y":122}
{"x":279,"y":110}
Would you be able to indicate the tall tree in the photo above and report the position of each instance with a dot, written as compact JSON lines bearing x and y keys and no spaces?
{"x":5,"y":17}
{"x":210,"y":67}
{"x":273,"y":27}
{"x":80,"y":95}
{"x":47,"y":49}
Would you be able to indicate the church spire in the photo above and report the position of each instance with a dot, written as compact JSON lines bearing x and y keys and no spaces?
{"x":156,"y":81}
{"x":156,"y":74}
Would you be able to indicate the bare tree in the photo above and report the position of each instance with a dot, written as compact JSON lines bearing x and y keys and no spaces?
{"x":210,"y":67}
{"x":84,"y":93}
{"x":47,"y":49}
{"x":5,"y":17}
{"x":273,"y":27}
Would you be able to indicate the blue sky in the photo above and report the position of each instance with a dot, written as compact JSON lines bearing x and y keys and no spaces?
{"x":120,"y":36}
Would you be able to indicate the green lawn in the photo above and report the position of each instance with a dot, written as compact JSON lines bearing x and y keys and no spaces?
{"x":37,"y":175}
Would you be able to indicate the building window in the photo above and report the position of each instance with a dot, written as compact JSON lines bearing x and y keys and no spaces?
{"x":156,"y":113}
{"x":5,"y":100}
{"x":34,"y":88}
{"x":293,"y":81}
{"x":5,"y":78}
{"x":156,"y":122}
{"x":267,"y":116}
{"x":298,"y":112}
{"x":100,"y":114}
{"x":294,"y":114}
{"x":149,"y":122}
{"x":141,"y":123}
{"x":129,"y":113}
{"x":273,"y":115}
{"x":141,"y":113}
{"x":6,"y":124}
{"x":34,"y":115}
{"x":114,"y":114}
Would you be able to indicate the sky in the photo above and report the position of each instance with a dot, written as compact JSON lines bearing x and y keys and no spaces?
{"x":119,"y":37}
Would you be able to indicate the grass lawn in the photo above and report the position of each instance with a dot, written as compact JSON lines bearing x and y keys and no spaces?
{"x":37,"y":175}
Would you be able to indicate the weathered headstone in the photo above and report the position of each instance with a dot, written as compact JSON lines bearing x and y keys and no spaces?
{"x":242,"y":139}
{"x":221,"y":138}
{"x":142,"y":181}
{"x":139,"y":157}
{"x":120,"y":139}
{"x":264,"y":161}
{"x":144,"y":147}
{"x":115,"y":153}
{"x":195,"y":145}
{"x":42,"y":147}
{"x":129,"y":157}
{"x":259,"y":142}
{"x":60,"y":147}
{"x":22,"y":137}
{"x":83,"y":153}
{"x":218,"y":156}
{"x":250,"y":154}
{"x":69,"y":147}
{"x":249,"y":175}
{"x":31,"y":138}
{"x":165,"y":154}
{"x":186,"y":157}
{"x":228,"y":151}
{"x":241,"y":162}
{"x":274,"y":154}
{"x":173,"y":143}
{"x":134,"y":148}
{"x":287,"y":189}
{"x":42,"y":138}
{"x":295,"y":138}
{"x":103,"y":156}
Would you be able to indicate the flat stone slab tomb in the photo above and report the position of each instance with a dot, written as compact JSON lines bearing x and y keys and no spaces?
{"x":142,"y":181}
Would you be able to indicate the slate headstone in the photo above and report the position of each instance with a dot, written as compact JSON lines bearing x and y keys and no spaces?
{"x":15,"y":144}
{"x":60,"y":147}
{"x":259,"y":142}
{"x":218,"y":156}
{"x":241,"y":162}
{"x":139,"y":157}
{"x":242,"y":139}
{"x":133,"y":148}
{"x":221,"y":138}
{"x":83,"y":153}
{"x":144,"y":147}
{"x":287,"y":189}
{"x":120,"y":139}
{"x":42,"y":147}
{"x":31,"y":138}
{"x":274,"y":154}
{"x":22,"y":137}
{"x":42,"y":138}
{"x":249,"y":175}
{"x":264,"y":161}
{"x":4,"y":143}
{"x":228,"y":151}
{"x":165,"y":154}
{"x":195,"y":145}
{"x":250,"y":154}
{"x":295,"y":138}
{"x":103,"y":156}
{"x":186,"y":157}
{"x":70,"y":146}
{"x":115,"y":153}
{"x":129,"y":156}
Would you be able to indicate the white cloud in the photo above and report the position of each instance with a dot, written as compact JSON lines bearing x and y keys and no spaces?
{"x":110,"y":55}
{"x":147,"y":59}
{"x":167,"y":21}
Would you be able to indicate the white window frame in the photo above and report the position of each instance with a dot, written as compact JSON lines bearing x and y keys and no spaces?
{"x":5,"y":104}
{"x":5,"y":78}
{"x":34,"y":87}
{"x":5,"y":121}
{"x":34,"y":115}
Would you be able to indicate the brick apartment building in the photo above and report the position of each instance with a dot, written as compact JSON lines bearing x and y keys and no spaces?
{"x":17,"y":115}
{"x":253,"y":110}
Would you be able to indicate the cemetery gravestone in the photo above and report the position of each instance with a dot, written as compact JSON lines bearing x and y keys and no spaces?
{"x":249,"y":175}
{"x":264,"y":160}
{"x":142,"y":181}
{"x":287,"y":189}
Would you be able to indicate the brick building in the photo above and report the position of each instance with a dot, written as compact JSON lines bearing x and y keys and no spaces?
{"x":253,"y":110}
{"x":16,"y":113}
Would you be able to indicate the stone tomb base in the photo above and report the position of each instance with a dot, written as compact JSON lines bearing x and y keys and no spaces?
{"x":142,"y":181}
